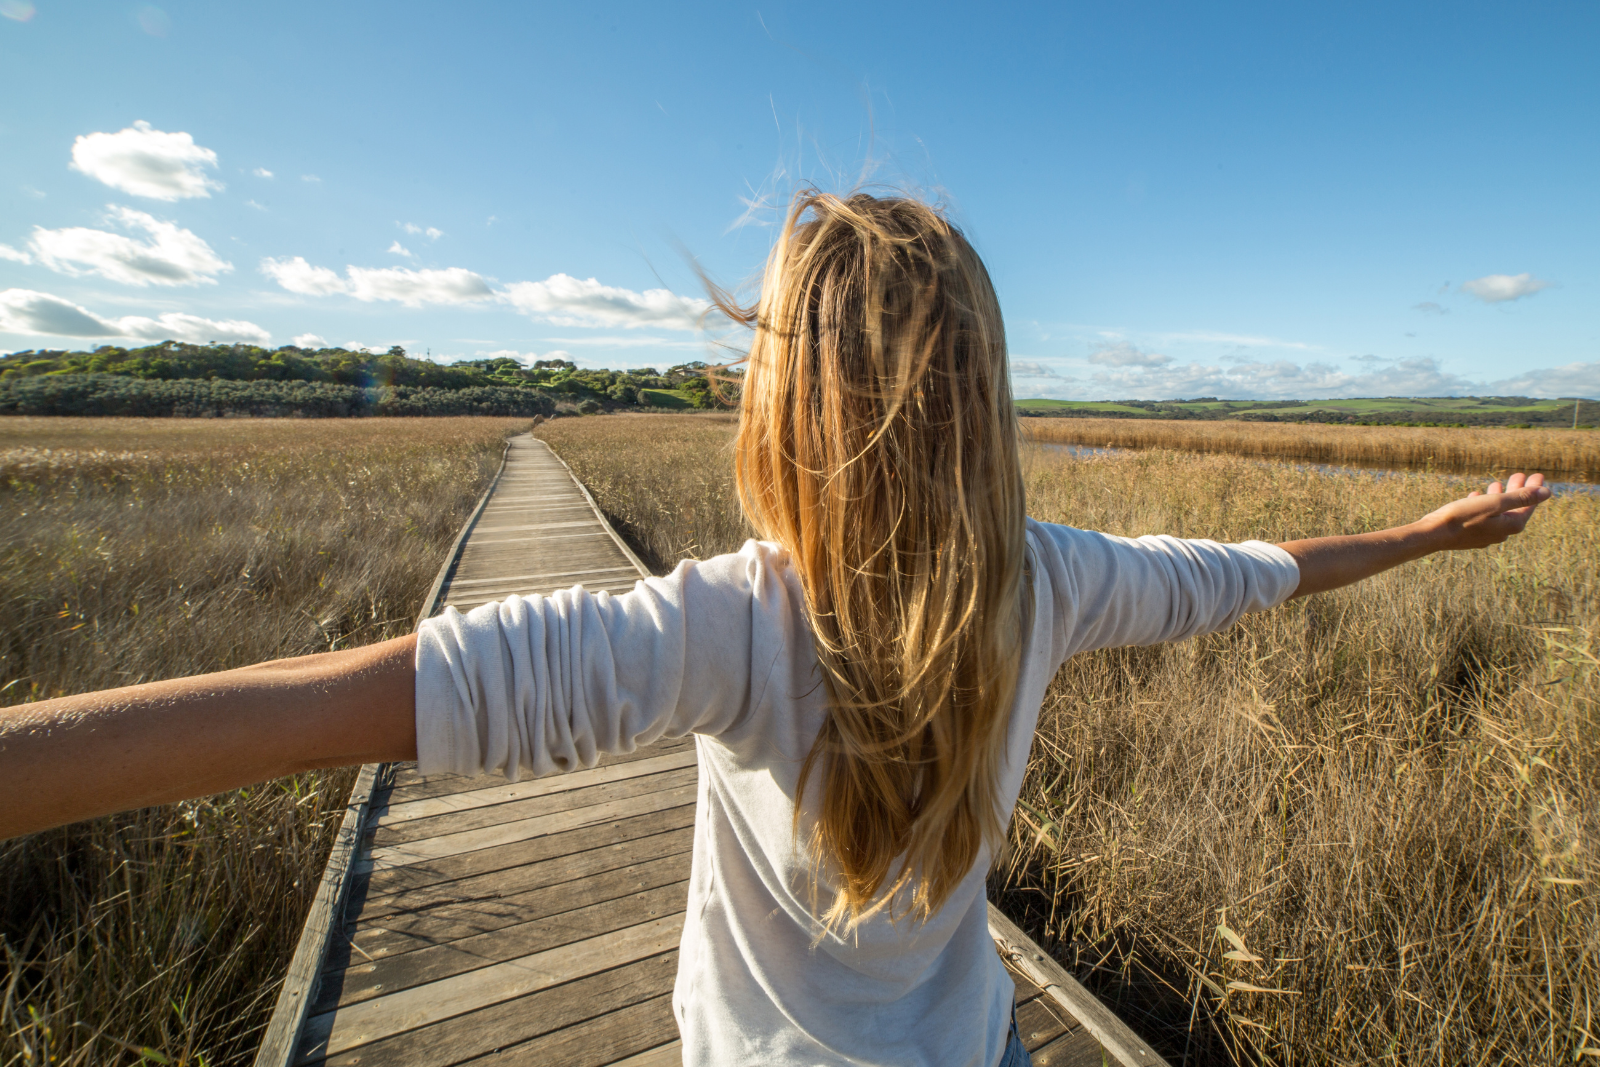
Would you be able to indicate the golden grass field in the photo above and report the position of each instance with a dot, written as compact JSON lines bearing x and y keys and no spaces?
{"x":1359,"y":829}
{"x":135,"y":549}
{"x":1572,"y":453}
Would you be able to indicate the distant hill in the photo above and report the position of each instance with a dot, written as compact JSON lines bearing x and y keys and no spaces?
{"x":1376,"y":411}
{"x":183,"y":379}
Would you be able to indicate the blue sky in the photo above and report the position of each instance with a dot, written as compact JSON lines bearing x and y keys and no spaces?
{"x":1175,"y":200}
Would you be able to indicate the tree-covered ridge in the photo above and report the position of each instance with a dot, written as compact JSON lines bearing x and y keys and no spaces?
{"x":684,"y":385}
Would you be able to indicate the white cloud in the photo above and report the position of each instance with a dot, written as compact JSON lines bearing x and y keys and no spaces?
{"x":1029,"y":368}
{"x":147,"y":162}
{"x":309,"y":340}
{"x":298,"y":276}
{"x":16,"y":255}
{"x":171,"y":256}
{"x":1573,"y":379}
{"x":258,"y":207}
{"x":413,"y":288}
{"x":568,"y":301}
{"x":398,"y":249}
{"x":1275,"y":380}
{"x":262,"y":172}
{"x":1126,"y":354}
{"x":25,"y":311}
{"x":312,"y":178}
{"x":1499,"y":288}
{"x":431,"y":233}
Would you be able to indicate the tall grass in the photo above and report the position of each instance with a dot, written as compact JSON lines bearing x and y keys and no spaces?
{"x":139,"y":549}
{"x":1574,"y":453}
{"x":1359,"y":829}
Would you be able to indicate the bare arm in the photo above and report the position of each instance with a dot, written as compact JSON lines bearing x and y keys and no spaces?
{"x":81,"y":756}
{"x":1476,"y":521}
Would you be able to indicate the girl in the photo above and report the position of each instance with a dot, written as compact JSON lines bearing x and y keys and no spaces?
{"x":863,"y":682}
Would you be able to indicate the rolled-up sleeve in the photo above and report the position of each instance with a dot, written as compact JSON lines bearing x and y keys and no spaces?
{"x":1113,"y":591}
{"x":537,"y":685}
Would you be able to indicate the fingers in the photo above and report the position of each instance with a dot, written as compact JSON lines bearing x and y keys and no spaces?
{"x":1495,"y":487}
{"x":1516,"y":480}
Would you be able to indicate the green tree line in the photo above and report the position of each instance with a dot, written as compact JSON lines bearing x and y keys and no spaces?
{"x":173,"y":378}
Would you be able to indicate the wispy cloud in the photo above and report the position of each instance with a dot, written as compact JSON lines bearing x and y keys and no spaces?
{"x":398,"y":249}
{"x":147,"y":162}
{"x":1237,"y":340}
{"x":262,"y":172}
{"x":310,"y":340}
{"x":169,"y":254}
{"x":1501,"y":288}
{"x":1429,"y":307}
{"x":430,"y":232}
{"x":1126,"y":354}
{"x":16,"y":10}
{"x":1032,"y":368}
{"x":15,"y":255}
{"x":25,"y":311}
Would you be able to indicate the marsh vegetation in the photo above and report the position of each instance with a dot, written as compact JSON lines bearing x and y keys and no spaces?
{"x":1359,"y":829}
{"x":136,"y":549}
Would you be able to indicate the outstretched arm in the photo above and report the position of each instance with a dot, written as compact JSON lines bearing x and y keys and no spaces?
{"x":1475,"y":521}
{"x":81,"y":756}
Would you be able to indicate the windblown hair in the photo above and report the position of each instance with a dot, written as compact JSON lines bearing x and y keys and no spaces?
{"x":878,"y":444}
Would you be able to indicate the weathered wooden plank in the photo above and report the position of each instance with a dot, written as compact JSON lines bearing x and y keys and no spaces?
{"x":406,"y":779}
{"x":1041,"y":1020}
{"x":357,"y":1024}
{"x":563,"y":524}
{"x":493,"y":836}
{"x":365,"y":979}
{"x":1122,"y":1045}
{"x":400,"y":811}
{"x":1075,"y":1049}
{"x":541,"y":577}
{"x":510,"y":1023}
{"x":597,"y":1042}
{"x":397,"y":934}
{"x":509,"y":887}
{"x":540,"y":803}
{"x":668,"y":1055}
{"x":522,"y":853}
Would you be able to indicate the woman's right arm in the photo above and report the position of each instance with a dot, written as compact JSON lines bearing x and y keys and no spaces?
{"x":97,"y":753}
{"x":1478,"y":520}
{"x":1116,"y":591}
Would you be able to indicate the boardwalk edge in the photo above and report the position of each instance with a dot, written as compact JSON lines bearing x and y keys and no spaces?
{"x":1120,"y":1043}
{"x":299,"y":987}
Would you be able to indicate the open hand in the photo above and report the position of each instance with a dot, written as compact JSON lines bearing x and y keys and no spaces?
{"x":1490,"y":517}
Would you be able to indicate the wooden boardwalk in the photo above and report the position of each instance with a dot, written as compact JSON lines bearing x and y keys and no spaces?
{"x":468,"y":919}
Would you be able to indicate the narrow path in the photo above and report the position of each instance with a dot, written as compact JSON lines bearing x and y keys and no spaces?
{"x":470,"y":919}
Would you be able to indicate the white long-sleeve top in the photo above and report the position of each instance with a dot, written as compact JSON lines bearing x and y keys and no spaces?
{"x":721,"y":649}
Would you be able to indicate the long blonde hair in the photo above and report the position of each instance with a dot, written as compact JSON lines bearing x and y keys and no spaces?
{"x":877,"y":443}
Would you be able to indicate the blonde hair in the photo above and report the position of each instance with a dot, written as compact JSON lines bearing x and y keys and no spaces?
{"x":877,"y":443}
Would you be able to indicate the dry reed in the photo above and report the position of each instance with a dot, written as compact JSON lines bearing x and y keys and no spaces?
{"x":140,"y":549}
{"x":1571,"y":453}
{"x":1358,"y":829}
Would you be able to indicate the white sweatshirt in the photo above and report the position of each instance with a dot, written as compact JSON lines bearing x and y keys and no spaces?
{"x":721,"y":649}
